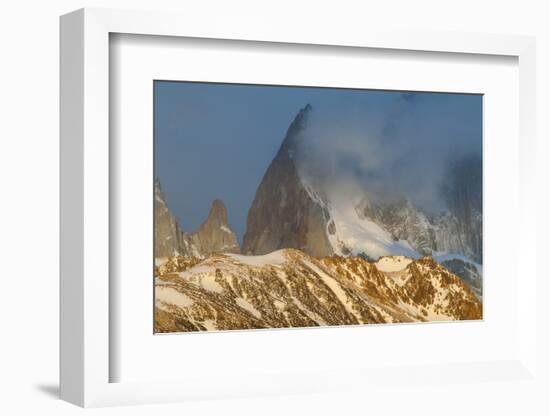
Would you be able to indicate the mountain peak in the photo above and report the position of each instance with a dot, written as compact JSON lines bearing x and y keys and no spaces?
{"x":215,"y":235}
{"x":159,"y":195}
{"x":218,"y":212}
{"x":167,"y":232}
{"x":283,"y":213}
{"x":288,"y":147}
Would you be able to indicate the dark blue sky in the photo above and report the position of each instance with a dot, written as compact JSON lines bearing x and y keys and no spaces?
{"x":216,"y":140}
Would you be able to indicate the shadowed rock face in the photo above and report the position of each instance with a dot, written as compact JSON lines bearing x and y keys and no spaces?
{"x":463,"y":193}
{"x":468,"y":272}
{"x":283,"y":214}
{"x":214,"y":235}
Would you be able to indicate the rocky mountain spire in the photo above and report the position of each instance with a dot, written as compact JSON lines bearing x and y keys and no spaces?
{"x":215,"y":235}
{"x":284,"y":214}
{"x":289,"y":144}
{"x":167,"y":233}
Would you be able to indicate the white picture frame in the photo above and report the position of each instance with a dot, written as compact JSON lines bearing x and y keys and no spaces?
{"x":85,"y":212}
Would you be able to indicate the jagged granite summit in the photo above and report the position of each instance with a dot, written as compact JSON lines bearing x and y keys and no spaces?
{"x":213,"y":236}
{"x":168,"y":238}
{"x":283,"y":213}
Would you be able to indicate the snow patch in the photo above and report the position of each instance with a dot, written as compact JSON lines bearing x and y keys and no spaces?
{"x":209,"y":283}
{"x":203,"y":276}
{"x":159,"y":261}
{"x":271,"y":259}
{"x":248,"y":307}
{"x":172,"y":296}
{"x":335,"y":287}
{"x":279,"y":305}
{"x":210,"y":325}
{"x":392,"y":263}
{"x":200,"y":268}
{"x":225,"y":229}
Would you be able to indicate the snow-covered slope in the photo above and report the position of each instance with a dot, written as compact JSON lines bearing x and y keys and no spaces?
{"x":355,"y":234}
{"x":289,"y":288}
{"x":356,"y":227}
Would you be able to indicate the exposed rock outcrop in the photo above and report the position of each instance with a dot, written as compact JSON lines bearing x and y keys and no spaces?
{"x":469,"y":272}
{"x":283,"y":213}
{"x":215,"y":235}
{"x":168,"y":238}
{"x":403,"y":222}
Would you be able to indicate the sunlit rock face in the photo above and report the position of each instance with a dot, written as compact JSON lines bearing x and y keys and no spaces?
{"x":215,"y":235}
{"x":168,"y":238}
{"x":288,"y":288}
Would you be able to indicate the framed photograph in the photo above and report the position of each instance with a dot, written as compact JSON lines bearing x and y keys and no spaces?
{"x":291,"y":213}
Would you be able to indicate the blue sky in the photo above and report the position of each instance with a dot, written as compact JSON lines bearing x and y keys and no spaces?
{"x":217,"y":140}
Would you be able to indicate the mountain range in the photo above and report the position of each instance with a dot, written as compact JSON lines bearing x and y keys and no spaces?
{"x":303,"y":226}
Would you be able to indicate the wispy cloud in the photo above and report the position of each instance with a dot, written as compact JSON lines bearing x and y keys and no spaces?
{"x":401,"y":152}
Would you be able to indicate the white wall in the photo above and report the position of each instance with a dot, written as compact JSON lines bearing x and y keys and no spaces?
{"x":29,"y":175}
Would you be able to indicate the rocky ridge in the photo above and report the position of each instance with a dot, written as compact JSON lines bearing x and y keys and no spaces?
{"x":288,"y":288}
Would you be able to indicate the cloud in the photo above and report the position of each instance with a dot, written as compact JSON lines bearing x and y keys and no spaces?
{"x":399,"y":149}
